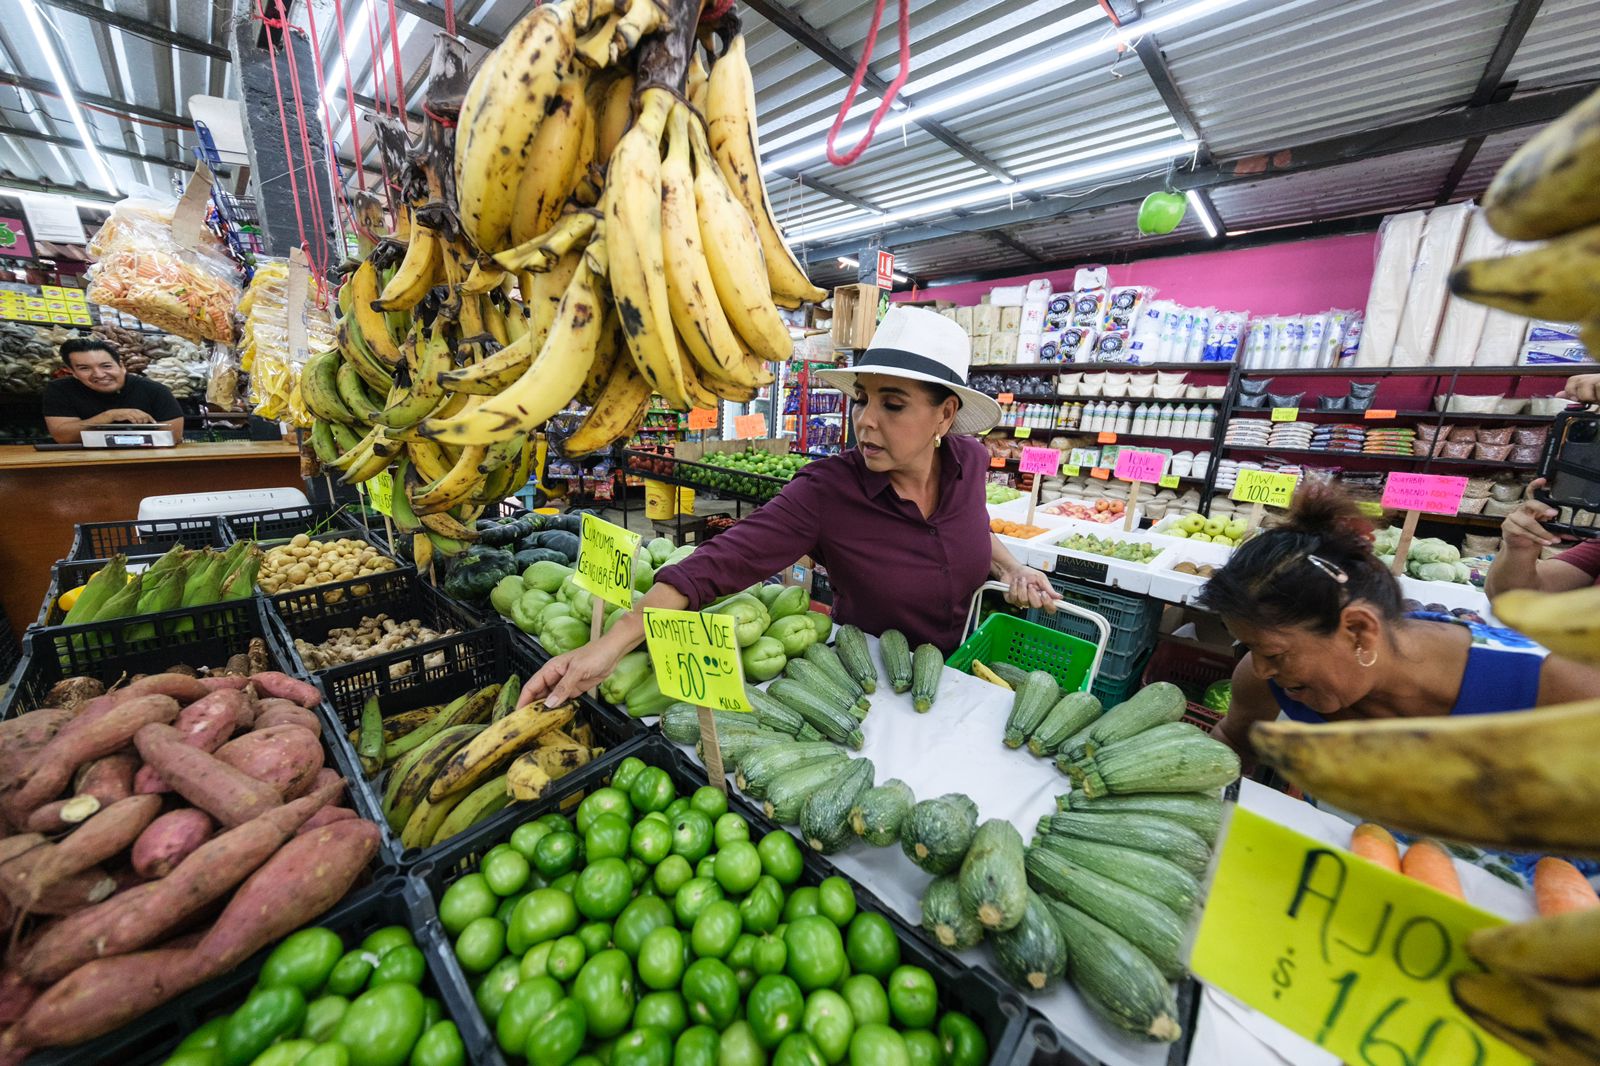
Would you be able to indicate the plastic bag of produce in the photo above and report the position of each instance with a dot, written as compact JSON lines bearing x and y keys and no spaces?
{"x":140,"y":268}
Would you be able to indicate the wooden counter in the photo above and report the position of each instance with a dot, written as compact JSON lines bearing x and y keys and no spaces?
{"x":44,"y":494}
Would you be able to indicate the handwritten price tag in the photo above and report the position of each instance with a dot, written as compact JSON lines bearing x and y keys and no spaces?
{"x":1005,"y":397}
{"x":1264,"y":486}
{"x":1022,"y":431}
{"x":1169,"y":482}
{"x":1046,"y":461}
{"x":1433,"y":493}
{"x":605,"y":560}
{"x":997,"y":461}
{"x":701,"y":418}
{"x":1347,"y":954}
{"x":1379,"y":412}
{"x":1106,"y":438}
{"x":746,"y":427}
{"x":696,"y":657}
{"x":1134,"y":465}
{"x":381,"y":488}
{"x":1285,"y":414}
{"x":1072,"y":470}
{"x":1100,"y":472}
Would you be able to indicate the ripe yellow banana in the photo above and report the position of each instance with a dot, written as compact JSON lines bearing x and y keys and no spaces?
{"x":642,"y":18}
{"x":697,"y":85}
{"x":1522,"y":780}
{"x":448,"y":528}
{"x":374,"y":326}
{"x":544,"y":250}
{"x":1562,"y":947}
{"x":553,"y":378}
{"x":606,"y":350}
{"x":416,"y":274}
{"x":731,"y":115}
{"x":502,"y":453}
{"x":488,"y":752}
{"x":613,"y":111}
{"x":1568,"y":623}
{"x":426,"y":358}
{"x":734,"y":259}
{"x":489,"y":376}
{"x":494,"y":317}
{"x":554,"y":172}
{"x":544,"y":294}
{"x":319,"y":387}
{"x":1548,"y":186}
{"x":430,"y":460}
{"x":485,"y":276}
{"x":699,"y":393}
{"x":620,"y":408}
{"x":461,"y":481}
{"x":594,"y":47}
{"x":375,"y":462}
{"x":1559,"y":280}
{"x":633,"y":233}
{"x":1517,"y":1012}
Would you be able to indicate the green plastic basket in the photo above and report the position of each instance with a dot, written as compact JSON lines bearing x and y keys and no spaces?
{"x":1004,"y":638}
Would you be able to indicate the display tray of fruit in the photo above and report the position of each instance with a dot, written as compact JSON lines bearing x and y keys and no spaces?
{"x":1001,"y":493}
{"x":1103,"y":511}
{"x":753,"y":472}
{"x":1137,"y":552}
{"x":1198,"y":529}
{"x":1019,"y":530}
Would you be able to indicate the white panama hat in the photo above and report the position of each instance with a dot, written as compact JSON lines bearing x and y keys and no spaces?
{"x":922,"y":345}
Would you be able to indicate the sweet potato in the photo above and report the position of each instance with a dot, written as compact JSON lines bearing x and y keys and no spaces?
{"x":217,"y":682}
{"x":326,"y":816}
{"x":16,"y":995}
{"x":35,"y":727}
{"x":273,"y":712}
{"x":144,"y":914}
{"x":104,"y":995}
{"x":107,"y":779}
{"x":16,"y":846}
{"x":103,"y":836}
{"x":228,"y":795}
{"x":308,"y":875}
{"x":181,"y":687}
{"x":328,"y":776}
{"x":206,"y":724}
{"x":51,"y":769}
{"x":286,"y":757}
{"x":22,"y":885}
{"x":170,"y":839}
{"x":281,"y":685}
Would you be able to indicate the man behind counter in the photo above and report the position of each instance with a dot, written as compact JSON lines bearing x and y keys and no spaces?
{"x":101,"y":392}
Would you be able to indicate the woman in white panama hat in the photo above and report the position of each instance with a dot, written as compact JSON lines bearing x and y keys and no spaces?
{"x":900,"y":521}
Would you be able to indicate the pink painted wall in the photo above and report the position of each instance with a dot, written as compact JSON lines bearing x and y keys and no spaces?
{"x":1292,"y":278}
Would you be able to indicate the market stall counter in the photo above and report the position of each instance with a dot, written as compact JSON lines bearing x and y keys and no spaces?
{"x":44,"y":494}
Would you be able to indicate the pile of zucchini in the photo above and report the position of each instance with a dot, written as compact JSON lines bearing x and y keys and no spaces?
{"x":918,"y":671}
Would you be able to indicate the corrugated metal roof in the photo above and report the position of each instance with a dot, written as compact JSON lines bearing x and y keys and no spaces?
{"x":1560,"y":46}
{"x":1491,"y":156}
{"x":1390,"y":183}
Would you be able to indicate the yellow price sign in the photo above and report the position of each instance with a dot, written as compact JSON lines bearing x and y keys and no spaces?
{"x":696,"y":658}
{"x":1285,"y":414}
{"x":1264,"y":486}
{"x":1170,"y":481}
{"x":381,"y":488}
{"x":1353,"y":957}
{"x":1023,"y":431}
{"x":605,"y":560}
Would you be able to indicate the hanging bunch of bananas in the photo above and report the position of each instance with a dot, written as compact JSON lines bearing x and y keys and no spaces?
{"x":1548,"y":191}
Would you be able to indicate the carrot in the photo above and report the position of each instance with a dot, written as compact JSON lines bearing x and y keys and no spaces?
{"x":1558,"y":888}
{"x":1374,"y":842}
{"x":286,"y":757}
{"x":52,"y":768}
{"x":106,"y":994}
{"x":105,"y":835}
{"x":170,"y":839}
{"x":281,"y":685}
{"x":1428,"y":862}
{"x":227,"y":794}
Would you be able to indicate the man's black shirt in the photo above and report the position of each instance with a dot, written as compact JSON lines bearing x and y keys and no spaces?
{"x":70,"y":398}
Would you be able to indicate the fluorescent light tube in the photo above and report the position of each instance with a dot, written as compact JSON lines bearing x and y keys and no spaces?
{"x":1207,"y":219}
{"x":64,"y":86}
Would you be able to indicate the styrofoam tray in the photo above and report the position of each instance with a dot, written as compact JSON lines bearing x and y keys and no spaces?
{"x":1449,"y":593}
{"x":1120,"y":574}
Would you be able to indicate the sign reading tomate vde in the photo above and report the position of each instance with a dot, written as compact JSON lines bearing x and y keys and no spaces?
{"x":696,"y":657}
{"x":1351,"y":956}
{"x":605,"y":561}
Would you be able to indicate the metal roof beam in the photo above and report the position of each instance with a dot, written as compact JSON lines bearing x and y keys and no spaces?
{"x":50,"y":188}
{"x":428,"y":12}
{"x":73,"y":142}
{"x":142,"y":28}
{"x":155,"y":114}
{"x":1490,"y":88}
{"x":1429,"y":132}
{"x":827,"y":189}
{"x":1155,"y":65}
{"x":817,"y":42}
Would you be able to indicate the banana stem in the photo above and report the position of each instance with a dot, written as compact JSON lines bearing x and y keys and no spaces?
{"x":664,"y":55}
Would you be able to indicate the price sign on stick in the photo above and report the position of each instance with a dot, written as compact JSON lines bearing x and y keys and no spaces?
{"x":1141,"y":468}
{"x":381,"y":488}
{"x":701,"y":418}
{"x":696,"y":659}
{"x":605,"y":561}
{"x":1040,"y":462}
{"x":1415,"y":494}
{"x":1351,"y":956}
{"x":1259,"y":488}
{"x":747,"y":426}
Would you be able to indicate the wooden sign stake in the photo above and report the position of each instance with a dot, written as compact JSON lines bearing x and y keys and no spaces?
{"x":1133,"y":504}
{"x":711,"y":749}
{"x":1033,"y":497}
{"x":1258,"y":511}
{"x":1402,"y":549}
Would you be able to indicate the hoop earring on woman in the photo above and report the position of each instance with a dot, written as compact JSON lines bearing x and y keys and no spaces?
{"x":1365,"y":662}
{"x":938,"y":439}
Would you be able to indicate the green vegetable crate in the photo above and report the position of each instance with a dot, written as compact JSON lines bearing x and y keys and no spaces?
{"x":392,"y":901}
{"x":1003,"y":638}
{"x":999,"y":1010}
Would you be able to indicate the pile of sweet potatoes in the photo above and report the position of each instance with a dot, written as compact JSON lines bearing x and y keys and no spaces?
{"x":155,"y":836}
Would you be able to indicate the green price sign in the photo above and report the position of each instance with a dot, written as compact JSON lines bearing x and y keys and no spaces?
{"x":696,"y":657}
{"x":381,"y":489}
{"x":605,"y":561}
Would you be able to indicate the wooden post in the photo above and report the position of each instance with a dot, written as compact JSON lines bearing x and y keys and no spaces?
{"x":1133,"y":503}
{"x":711,"y":749}
{"x":1258,"y":511}
{"x":1402,"y":549}
{"x":1033,"y":497}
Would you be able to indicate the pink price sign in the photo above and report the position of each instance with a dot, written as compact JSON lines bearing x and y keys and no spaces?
{"x":1433,"y":493}
{"x":1046,"y":461}
{"x":1140,"y":466}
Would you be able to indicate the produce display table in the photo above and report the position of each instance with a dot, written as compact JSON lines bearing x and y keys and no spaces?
{"x":45,"y":494}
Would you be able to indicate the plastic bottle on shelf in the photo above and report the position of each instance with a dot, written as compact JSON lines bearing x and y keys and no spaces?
{"x":1183,"y":421}
{"x":1141,"y":419}
{"x":1124,"y":418}
{"x":1164,"y":421}
{"x":1208,"y":423}
{"x":1094,"y":416}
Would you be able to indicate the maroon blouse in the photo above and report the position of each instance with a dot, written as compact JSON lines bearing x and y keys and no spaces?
{"x":890,"y":568}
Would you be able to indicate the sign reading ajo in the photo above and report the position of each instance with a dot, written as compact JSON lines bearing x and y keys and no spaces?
{"x":1353,"y":957}
{"x":696,"y":658}
{"x":605,"y":561}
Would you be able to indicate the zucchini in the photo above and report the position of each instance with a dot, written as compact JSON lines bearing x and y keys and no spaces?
{"x":1037,"y":694}
{"x":1161,"y":879}
{"x":937,"y":832}
{"x":927,"y":666}
{"x":1079,"y":763}
{"x":945,"y":918}
{"x":994,"y":884}
{"x":1072,"y":712}
{"x":1013,"y":675}
{"x":878,"y":813}
{"x":1200,"y":811}
{"x":896,"y":654}
{"x":680,"y":722}
{"x":1153,"y":705}
{"x":1120,"y":983}
{"x":852,"y":647}
{"x":826,"y":717}
{"x":1141,"y":832}
{"x":817,"y":680}
{"x":825,"y":817}
{"x":787,"y":792}
{"x":1188,"y":762}
{"x":762,"y":765}
{"x":770,"y":713}
{"x":1031,"y":954}
{"x":825,"y":657}
{"x":737,"y":745}
{"x":1149,"y":926}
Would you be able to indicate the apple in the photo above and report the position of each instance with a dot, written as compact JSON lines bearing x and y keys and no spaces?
{"x":1177,"y":531}
{"x":1213,"y":526}
{"x":1223,"y":539}
{"x":1200,"y":538}
{"x":1192,"y":523}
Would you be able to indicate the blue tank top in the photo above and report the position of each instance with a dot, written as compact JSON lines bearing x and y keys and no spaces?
{"x":1502,"y":673}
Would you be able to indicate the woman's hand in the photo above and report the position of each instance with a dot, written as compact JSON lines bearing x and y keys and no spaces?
{"x":1521,"y":528}
{"x":1584,"y":388}
{"x":566,"y":676}
{"x":1030,"y":588}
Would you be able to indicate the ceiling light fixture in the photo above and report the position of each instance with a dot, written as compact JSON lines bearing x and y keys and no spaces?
{"x":1201,"y":208}
{"x":333,"y":81}
{"x":855,"y":264}
{"x":64,"y":86}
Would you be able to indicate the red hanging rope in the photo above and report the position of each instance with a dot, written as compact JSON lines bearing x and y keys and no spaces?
{"x":394,"y":47}
{"x":350,"y":97}
{"x":861,"y":72}
{"x":335,"y":181}
{"x":320,"y":232}
{"x":380,"y":72}
{"x":449,"y":15}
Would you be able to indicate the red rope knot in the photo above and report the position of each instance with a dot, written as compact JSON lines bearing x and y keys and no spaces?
{"x":861,"y":72}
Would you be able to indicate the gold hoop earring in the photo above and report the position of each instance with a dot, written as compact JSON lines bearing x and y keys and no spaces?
{"x":938,"y":439}
{"x":1365,"y":662}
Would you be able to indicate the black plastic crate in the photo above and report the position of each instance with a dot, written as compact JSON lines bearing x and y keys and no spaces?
{"x":137,"y":539}
{"x":311,"y":614}
{"x":997,"y":1008}
{"x":1134,"y":620}
{"x":69,"y":574}
{"x":285,"y":522}
{"x":436,"y":673}
{"x":1042,"y":1044}
{"x":389,"y":901}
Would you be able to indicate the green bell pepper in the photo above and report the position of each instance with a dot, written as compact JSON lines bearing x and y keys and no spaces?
{"x":563,"y":635}
{"x":795,"y":633}
{"x":765,"y":659}
{"x":750,"y":618}
{"x":505,"y":594}
{"x":631,"y":669}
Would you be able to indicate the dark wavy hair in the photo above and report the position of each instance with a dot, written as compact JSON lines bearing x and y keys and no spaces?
{"x":1308,"y":570}
{"x":87,"y":344}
